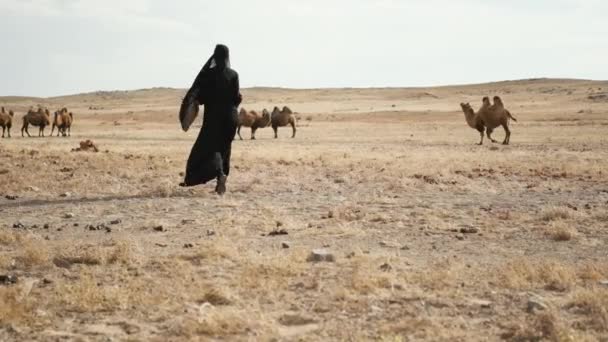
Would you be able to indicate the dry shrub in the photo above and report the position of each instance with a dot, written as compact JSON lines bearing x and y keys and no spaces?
{"x":13,"y":307}
{"x":417,"y":328}
{"x":7,"y":237}
{"x":268,"y":274}
{"x":525,"y":274}
{"x":552,"y":213}
{"x":123,"y":252}
{"x":437,"y":276}
{"x":215,"y":297}
{"x":218,"y":322}
{"x":212,"y":251}
{"x":593,"y":303}
{"x":545,"y":326}
{"x":560,"y":231}
{"x":33,"y":253}
{"x":85,"y":295}
{"x":364,"y":276}
{"x":594,"y":271}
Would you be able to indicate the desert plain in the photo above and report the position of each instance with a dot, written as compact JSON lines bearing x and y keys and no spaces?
{"x":430,"y":236}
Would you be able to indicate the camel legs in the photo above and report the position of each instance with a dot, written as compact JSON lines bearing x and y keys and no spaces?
{"x":489,"y":134}
{"x":238,"y":131}
{"x":69,"y":131}
{"x":3,"y":128}
{"x":507,"y":134}
{"x":253,"y":133}
{"x":24,"y":128}
{"x":8,"y":129}
{"x":481,"y":135}
{"x":293,"y":127}
{"x":275,"y":129}
{"x":53,"y":128}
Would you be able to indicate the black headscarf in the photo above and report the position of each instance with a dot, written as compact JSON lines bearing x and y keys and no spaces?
{"x":220,"y":60}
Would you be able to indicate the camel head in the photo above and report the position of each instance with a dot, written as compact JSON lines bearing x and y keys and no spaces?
{"x":486,"y":101}
{"x":46,"y":112}
{"x":498,"y":101}
{"x":11,"y":113}
{"x":466,"y":107}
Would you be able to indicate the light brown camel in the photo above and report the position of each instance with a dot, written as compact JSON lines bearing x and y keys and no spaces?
{"x":473,"y":119}
{"x":40,"y":118}
{"x":63,"y":121}
{"x":495,"y":115}
{"x":6,"y":121}
{"x":252,"y":119}
{"x":282,"y":118}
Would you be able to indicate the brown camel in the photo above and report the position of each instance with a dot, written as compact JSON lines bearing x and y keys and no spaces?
{"x":473,"y":119}
{"x":252,"y":119}
{"x":494,"y":115}
{"x":63,"y":121}
{"x":40,"y":118}
{"x":6,"y":121}
{"x":282,"y":118}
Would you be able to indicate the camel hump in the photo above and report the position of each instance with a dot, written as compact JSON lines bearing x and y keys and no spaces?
{"x":287,"y":110}
{"x":71,"y":115}
{"x":243,"y":111}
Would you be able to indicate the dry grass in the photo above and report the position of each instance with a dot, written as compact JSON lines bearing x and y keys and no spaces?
{"x":385,"y":189}
{"x":560,"y":231}
{"x":526,"y":274}
{"x":594,"y":304}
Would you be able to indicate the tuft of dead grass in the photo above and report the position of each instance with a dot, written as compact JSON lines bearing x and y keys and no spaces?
{"x":14,"y":308}
{"x":593,"y":303}
{"x":545,"y":326}
{"x":552,"y":213}
{"x":525,"y":274}
{"x":560,"y":231}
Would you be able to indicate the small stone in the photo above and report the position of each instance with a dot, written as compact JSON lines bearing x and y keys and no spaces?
{"x":115,"y":222}
{"x":469,"y":230}
{"x":405,"y":248}
{"x":18,"y":225}
{"x":386,"y":267}
{"x":187,"y":221}
{"x":47,"y":281}
{"x":319,"y":255}
{"x":33,"y":188}
{"x":76,"y":224}
{"x":210,"y":232}
{"x":65,"y":194}
{"x":68,"y":215}
{"x":59,"y":229}
{"x":46,"y":226}
{"x":460,"y":237}
{"x":279,"y":224}
{"x":604,"y":282}
{"x":188,"y":245}
{"x":7,"y":279}
{"x":159,"y":229}
{"x":34,"y":226}
{"x":108,"y":230}
{"x":536,"y":304}
{"x":90,"y":227}
{"x":11,"y":197}
{"x":285,"y":244}
{"x":278,"y":232}
{"x":481,"y":302}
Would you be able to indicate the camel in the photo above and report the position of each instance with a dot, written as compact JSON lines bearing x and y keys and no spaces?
{"x":473,"y":119}
{"x":494,"y":115}
{"x":6,"y":121}
{"x":40,"y":118}
{"x":63,"y":121}
{"x":252,"y":119}
{"x":282,"y":118}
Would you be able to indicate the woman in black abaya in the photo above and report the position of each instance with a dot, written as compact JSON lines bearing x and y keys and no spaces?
{"x":217,"y":88}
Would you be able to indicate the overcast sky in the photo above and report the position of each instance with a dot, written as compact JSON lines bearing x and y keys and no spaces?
{"x":55,"y":47}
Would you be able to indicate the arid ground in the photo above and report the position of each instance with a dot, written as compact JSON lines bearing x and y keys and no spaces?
{"x":433,"y":237}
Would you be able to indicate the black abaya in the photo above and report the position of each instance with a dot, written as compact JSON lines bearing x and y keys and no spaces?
{"x":217,"y":87}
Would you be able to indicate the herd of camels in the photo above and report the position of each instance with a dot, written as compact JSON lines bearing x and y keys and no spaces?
{"x":487,"y":118}
{"x":62,"y":120}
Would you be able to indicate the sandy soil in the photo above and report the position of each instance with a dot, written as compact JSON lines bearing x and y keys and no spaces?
{"x":434,"y":237}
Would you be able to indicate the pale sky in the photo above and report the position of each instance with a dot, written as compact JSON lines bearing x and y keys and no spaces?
{"x":57,"y":47}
